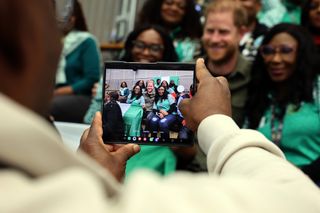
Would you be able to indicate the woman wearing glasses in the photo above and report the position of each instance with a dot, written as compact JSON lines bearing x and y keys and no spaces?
{"x":284,"y":96}
{"x":149,"y":43}
{"x":180,"y":19}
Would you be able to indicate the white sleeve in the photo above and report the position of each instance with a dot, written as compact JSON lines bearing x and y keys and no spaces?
{"x":243,"y":152}
{"x":247,"y":174}
{"x":220,"y":138}
{"x":70,"y":190}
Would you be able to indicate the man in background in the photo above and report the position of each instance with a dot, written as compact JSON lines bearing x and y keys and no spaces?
{"x":225,"y":25}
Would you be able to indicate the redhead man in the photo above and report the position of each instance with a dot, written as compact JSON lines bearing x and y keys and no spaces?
{"x":225,"y":24}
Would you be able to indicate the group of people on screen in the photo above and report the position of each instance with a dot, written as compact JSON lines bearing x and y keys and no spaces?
{"x":153,"y":109}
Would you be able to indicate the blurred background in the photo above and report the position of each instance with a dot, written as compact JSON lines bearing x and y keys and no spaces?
{"x":111,"y":21}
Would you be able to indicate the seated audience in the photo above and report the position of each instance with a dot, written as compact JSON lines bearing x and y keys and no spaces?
{"x":79,"y":69}
{"x":284,"y":95}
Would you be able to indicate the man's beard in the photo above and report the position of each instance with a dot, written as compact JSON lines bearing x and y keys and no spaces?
{"x":230,"y":52}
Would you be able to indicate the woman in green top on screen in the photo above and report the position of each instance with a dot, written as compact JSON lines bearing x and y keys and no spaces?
{"x":284,"y":96}
{"x":132,"y":117}
{"x":164,"y":109}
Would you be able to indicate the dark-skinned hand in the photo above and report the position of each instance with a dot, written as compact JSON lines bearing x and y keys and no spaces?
{"x":113,"y":157}
{"x":212,"y":97}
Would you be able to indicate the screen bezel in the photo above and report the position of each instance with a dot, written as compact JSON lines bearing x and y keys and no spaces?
{"x":170,"y":66}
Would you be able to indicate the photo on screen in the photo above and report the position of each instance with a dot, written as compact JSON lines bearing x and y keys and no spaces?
{"x":140,"y":104}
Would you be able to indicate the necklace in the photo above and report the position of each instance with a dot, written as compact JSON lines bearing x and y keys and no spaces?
{"x":276,"y":132}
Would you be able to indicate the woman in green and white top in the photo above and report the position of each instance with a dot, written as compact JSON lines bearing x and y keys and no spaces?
{"x":164,"y":109}
{"x":132,"y":117}
{"x":78,"y":70}
{"x":284,"y":96}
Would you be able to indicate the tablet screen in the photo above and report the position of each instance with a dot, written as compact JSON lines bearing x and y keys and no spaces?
{"x":140,"y":103}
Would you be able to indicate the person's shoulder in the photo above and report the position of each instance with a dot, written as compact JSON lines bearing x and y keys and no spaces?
{"x":186,"y":40}
{"x":76,"y":34}
{"x":112,"y":104}
{"x":21,"y":125}
{"x":88,"y":38}
{"x":243,"y":62}
{"x":90,"y":41}
{"x":243,"y":66}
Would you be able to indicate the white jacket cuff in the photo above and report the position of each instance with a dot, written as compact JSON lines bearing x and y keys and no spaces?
{"x":212,"y":127}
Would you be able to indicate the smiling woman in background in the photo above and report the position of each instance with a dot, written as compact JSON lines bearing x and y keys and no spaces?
{"x":149,"y":43}
{"x":78,"y":70}
{"x":180,"y":19}
{"x":284,"y":96}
